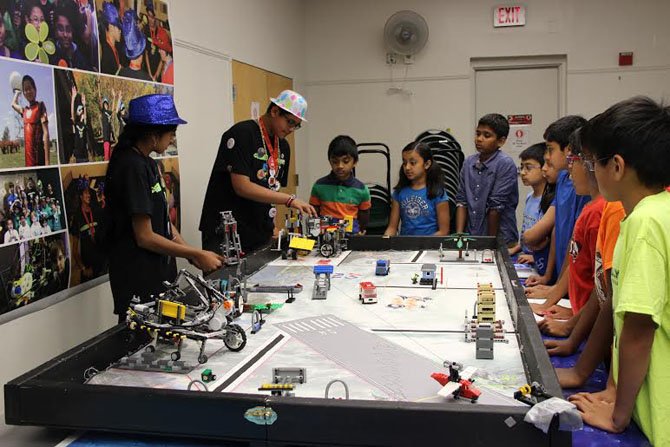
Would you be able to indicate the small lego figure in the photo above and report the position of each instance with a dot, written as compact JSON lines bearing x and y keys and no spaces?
{"x":415,"y":278}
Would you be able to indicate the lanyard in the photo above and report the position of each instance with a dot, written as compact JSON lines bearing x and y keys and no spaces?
{"x":273,"y":151}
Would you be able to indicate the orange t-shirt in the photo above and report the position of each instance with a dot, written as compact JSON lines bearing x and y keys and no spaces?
{"x":608,"y":233}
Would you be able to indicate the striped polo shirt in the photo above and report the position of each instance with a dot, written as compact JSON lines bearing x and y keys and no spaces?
{"x":338,"y":199}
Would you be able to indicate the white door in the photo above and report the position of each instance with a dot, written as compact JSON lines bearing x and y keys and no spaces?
{"x":517,"y":87}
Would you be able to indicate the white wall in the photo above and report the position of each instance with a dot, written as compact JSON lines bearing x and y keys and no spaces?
{"x":347,"y":78}
{"x":264,"y":33}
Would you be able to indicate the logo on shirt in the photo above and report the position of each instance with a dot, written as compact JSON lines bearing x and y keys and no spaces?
{"x":156,"y":188}
{"x":414,"y":207}
{"x":574,"y":249}
{"x":615,"y":277}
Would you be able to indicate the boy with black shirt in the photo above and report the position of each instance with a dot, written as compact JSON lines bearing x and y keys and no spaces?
{"x":251,"y":165}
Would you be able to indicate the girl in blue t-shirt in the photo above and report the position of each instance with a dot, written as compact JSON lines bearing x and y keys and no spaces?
{"x":419,"y":199}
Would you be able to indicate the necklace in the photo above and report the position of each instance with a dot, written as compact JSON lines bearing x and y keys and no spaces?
{"x":273,"y":154}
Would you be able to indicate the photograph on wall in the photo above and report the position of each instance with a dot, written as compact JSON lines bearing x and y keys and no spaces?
{"x":62,"y":33}
{"x":79,"y":125}
{"x":135,"y":40}
{"x":84,"y":196}
{"x":28,"y":125}
{"x":32,"y":270}
{"x":31,"y":205}
{"x":115,"y":94}
{"x":169,"y":168}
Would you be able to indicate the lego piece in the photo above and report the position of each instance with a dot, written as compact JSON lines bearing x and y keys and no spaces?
{"x":231,"y":247}
{"x":289,"y":375}
{"x":428,"y":276}
{"x":168,"y":318}
{"x":456,"y":383}
{"x":383,"y":267}
{"x":278,"y":389}
{"x":484,"y":342}
{"x":367,"y":293}
{"x":207,"y":376}
{"x":301,"y":243}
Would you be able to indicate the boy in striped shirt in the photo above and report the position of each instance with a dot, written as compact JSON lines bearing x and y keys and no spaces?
{"x":340,"y":194}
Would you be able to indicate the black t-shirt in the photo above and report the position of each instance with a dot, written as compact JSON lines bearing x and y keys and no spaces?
{"x":242,"y":152}
{"x":134,"y":74}
{"x":107,"y":60}
{"x":107,"y":130}
{"x":134,"y":186}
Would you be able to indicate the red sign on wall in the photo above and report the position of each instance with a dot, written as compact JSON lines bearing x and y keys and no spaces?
{"x":520,"y":119}
{"x":509,"y":15}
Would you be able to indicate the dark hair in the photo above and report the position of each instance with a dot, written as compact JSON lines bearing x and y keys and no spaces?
{"x":434,"y":175}
{"x":575,"y":142}
{"x":547,"y":196}
{"x":29,"y":79}
{"x":132,"y":133}
{"x":343,"y":145}
{"x":497,"y":123}
{"x":638,"y":130}
{"x":269,"y":109}
{"x":534,"y":152}
{"x":559,"y":131}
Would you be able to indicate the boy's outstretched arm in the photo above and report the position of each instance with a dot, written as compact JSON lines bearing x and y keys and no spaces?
{"x":637,"y":337}
{"x":538,"y":233}
{"x":597,"y":348}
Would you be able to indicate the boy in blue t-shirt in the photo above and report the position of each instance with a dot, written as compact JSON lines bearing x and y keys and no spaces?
{"x":488,"y":192}
{"x":530,"y":170}
{"x":567,"y":208}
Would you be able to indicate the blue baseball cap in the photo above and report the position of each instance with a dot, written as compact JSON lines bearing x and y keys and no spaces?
{"x":135,"y":40}
{"x":110,"y":15}
{"x":157,"y":109}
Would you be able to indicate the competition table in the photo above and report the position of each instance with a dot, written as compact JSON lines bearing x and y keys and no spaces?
{"x":384,"y":352}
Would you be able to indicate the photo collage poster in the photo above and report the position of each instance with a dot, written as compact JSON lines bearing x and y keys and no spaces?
{"x":68,"y":69}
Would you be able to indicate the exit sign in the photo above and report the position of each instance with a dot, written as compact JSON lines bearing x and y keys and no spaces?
{"x":509,"y":15}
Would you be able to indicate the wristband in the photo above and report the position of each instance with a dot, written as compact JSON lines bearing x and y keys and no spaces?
{"x":290,"y":200}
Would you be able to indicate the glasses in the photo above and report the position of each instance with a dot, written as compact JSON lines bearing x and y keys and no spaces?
{"x":589,"y":163}
{"x":527,"y":168}
{"x":292,"y":124}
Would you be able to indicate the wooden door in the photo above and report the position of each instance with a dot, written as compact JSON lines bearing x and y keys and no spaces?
{"x":255,"y":85}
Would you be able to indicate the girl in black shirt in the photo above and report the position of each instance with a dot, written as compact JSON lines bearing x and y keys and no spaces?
{"x":142,"y":242}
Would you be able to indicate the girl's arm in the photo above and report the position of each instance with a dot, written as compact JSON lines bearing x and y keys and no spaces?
{"x":15,"y":103}
{"x":461,"y":218}
{"x":147,"y":239}
{"x":443,"y":218}
{"x":394,"y":219}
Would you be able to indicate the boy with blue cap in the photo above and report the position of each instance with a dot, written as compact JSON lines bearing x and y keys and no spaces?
{"x":251,"y":166}
{"x":141,"y":239}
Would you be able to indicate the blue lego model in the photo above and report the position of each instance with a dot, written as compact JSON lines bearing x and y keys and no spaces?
{"x":325,"y":269}
{"x":383,"y":267}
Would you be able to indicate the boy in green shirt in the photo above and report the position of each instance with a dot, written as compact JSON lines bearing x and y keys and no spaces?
{"x":630,"y":143}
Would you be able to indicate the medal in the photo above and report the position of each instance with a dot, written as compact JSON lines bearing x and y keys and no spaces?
{"x":272,"y":212}
{"x":260,"y":174}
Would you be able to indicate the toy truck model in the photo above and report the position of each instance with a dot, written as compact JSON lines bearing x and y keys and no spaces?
{"x":367,"y":293}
